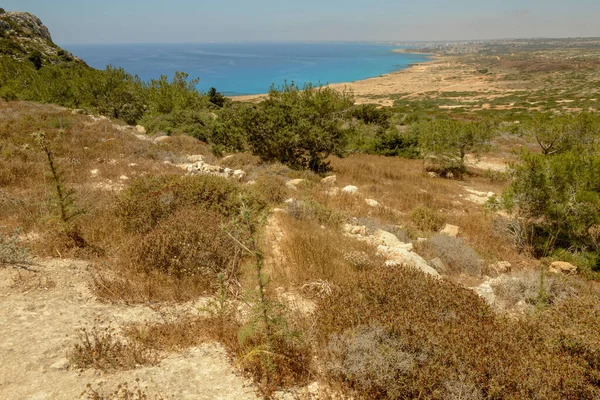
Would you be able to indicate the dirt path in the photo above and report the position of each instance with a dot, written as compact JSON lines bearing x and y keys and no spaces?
{"x":40,"y":314}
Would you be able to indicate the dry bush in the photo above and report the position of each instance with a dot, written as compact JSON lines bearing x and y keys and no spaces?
{"x":426,"y":219}
{"x":126,"y":285}
{"x":11,"y":249}
{"x":122,"y":392}
{"x":312,"y":210}
{"x":271,"y":189}
{"x":103,"y":349}
{"x":190,"y":242}
{"x":457,"y":343}
{"x":312,"y":254}
{"x":458,"y":256}
{"x":150,"y":199}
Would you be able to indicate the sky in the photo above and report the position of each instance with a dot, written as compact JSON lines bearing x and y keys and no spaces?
{"x":182,"y":21}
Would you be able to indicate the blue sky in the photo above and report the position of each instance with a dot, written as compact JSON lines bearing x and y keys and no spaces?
{"x":152,"y":21}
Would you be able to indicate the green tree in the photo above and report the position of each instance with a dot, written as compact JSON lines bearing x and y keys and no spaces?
{"x":36,"y":59}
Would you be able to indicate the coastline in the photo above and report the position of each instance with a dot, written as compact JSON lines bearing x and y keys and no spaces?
{"x":416,"y":78}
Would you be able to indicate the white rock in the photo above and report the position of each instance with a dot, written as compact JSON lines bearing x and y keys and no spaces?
{"x":491,"y":194}
{"x":500,"y":267}
{"x":293,"y":183}
{"x":140,"y":129}
{"x":407,"y":258}
{"x":94,"y":172}
{"x":61,"y":364}
{"x":195,"y":158}
{"x":438,"y":265}
{"x":330,"y":180}
{"x":240,"y":175}
{"x":289,"y":201}
{"x":228,"y":172}
{"x":161,"y":139}
{"x":123,"y":178}
{"x":562,"y":267}
{"x":355,"y":229}
{"x":132,"y":165}
{"x":350,"y":189}
{"x":432,"y":174}
{"x":372,"y":203}
{"x":486,"y":292}
{"x":381,"y":237}
{"x":450,"y":230}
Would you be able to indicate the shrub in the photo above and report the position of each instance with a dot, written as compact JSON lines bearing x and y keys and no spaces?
{"x":149,"y":200}
{"x":271,"y":189}
{"x":455,"y":253}
{"x":11,"y":251}
{"x":190,"y":242}
{"x":299,"y":128}
{"x":454,"y":338}
{"x":102,"y":349}
{"x":371,"y":114}
{"x":426,"y":219}
{"x":392,"y":143}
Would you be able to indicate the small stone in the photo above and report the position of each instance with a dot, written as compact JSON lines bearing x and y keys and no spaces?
{"x":562,"y":267}
{"x":372,"y":203}
{"x":350,"y":189}
{"x":432,"y":174}
{"x":330,"y":180}
{"x":228,"y":172}
{"x":491,"y":194}
{"x":293,"y":183}
{"x":123,"y":178}
{"x":289,"y":201}
{"x":94,"y":172}
{"x":61,"y":364}
{"x":239,"y":175}
{"x":278,"y":210}
{"x":450,"y":230}
{"x":500,"y":267}
{"x":389,"y":239}
{"x":132,"y":165}
{"x":140,"y":129}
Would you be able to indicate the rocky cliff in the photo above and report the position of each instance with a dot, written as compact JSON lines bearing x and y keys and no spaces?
{"x":23,"y":36}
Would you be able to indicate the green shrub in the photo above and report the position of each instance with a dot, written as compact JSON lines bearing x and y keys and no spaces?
{"x":426,"y":219}
{"x":370,"y":114}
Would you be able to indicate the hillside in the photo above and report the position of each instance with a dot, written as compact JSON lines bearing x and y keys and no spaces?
{"x":157,"y":242}
{"x":24,"y":37}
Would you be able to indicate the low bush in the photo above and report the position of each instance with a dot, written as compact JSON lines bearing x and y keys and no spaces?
{"x":190,"y":242}
{"x":440,"y":341}
{"x":458,"y":256}
{"x":11,"y":249}
{"x":426,"y":219}
{"x":149,"y":200}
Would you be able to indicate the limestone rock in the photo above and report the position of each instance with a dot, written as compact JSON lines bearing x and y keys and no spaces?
{"x":486,"y":292}
{"x":372,"y":203}
{"x":140,"y":129}
{"x":330,"y":180}
{"x":94,"y":172}
{"x":450,"y":230}
{"x":500,"y":267}
{"x":355,"y":229}
{"x":239,"y":175}
{"x":389,"y":239}
{"x":439,"y":265}
{"x":562,"y":267}
{"x":194,"y":158}
{"x":161,"y":139}
{"x":293,"y":183}
{"x":350,"y":189}
{"x":402,"y":256}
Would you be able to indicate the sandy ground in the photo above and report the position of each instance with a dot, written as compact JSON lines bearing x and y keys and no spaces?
{"x":441,"y":74}
{"x":41,"y":312}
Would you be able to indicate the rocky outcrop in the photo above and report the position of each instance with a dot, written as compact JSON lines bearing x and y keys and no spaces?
{"x":26,"y":35}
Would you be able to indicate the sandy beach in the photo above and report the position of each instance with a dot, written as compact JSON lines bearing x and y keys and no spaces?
{"x":440,"y":74}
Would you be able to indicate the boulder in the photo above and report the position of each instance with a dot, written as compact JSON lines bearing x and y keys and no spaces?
{"x":381,"y":237}
{"x":402,"y":256}
{"x":486,"y":292}
{"x":330,"y":180}
{"x":562,"y":267}
{"x":450,"y":230}
{"x":350,"y":189}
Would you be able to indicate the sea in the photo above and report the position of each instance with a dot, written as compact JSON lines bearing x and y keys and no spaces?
{"x":251,"y":68}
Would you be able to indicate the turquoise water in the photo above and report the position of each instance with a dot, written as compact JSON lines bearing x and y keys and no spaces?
{"x":251,"y":68}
